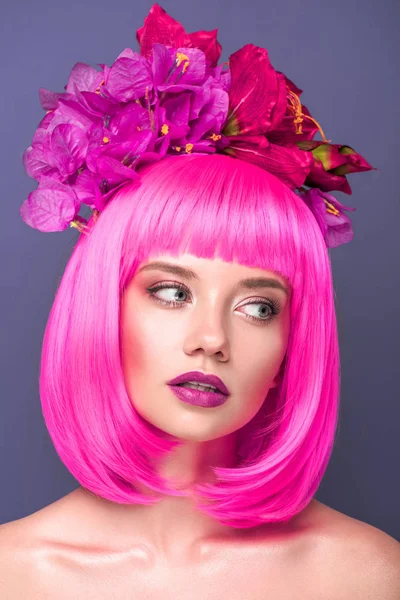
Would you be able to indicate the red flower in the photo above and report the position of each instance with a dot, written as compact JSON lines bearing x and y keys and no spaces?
{"x":257,"y":108}
{"x":267,"y":125}
{"x":160,"y":28}
{"x":332,"y":162}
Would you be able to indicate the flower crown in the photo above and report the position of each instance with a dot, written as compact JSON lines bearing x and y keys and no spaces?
{"x":173,"y":98}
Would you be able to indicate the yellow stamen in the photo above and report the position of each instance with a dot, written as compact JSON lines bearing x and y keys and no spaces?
{"x":177,"y":148}
{"x":106,"y":139}
{"x":180,"y":57}
{"x":81,"y":227}
{"x":164,"y":129}
{"x":189,"y":148}
{"x":215,"y":137}
{"x":331,"y":209}
{"x":296,"y":110}
{"x":150,"y":111}
{"x":97,"y":90}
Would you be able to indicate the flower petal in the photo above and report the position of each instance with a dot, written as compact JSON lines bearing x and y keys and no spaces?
{"x":212,"y":116}
{"x":84,"y":78}
{"x":256,"y":90}
{"x":325,"y":180}
{"x":128,"y":78}
{"x":283,"y":130}
{"x":51,"y":207}
{"x":87,"y":189}
{"x":68,"y":147}
{"x":177,"y":109}
{"x":354,"y":162}
{"x":98,"y":105}
{"x":49,"y":100}
{"x":159,"y":27}
{"x":36,"y":164}
{"x":290,"y":165}
{"x":73,"y":113}
{"x":130,"y":119}
{"x":116,"y":162}
{"x":161,"y":64}
{"x":336,"y":227}
{"x":207,"y":42}
{"x":187,"y":68}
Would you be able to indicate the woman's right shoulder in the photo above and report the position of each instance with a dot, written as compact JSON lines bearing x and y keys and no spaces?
{"x":25,"y":552}
{"x":16,"y":560}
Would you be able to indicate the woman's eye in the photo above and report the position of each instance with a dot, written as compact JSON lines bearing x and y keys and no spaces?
{"x":269,"y":308}
{"x":169,"y":298}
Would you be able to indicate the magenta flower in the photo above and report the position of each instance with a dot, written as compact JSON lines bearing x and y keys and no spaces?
{"x":336,"y":227}
{"x":108,"y":122}
{"x":173,"y":98}
{"x":51,"y":207}
{"x":129,"y":77}
{"x":162,"y":28}
{"x":257,"y":106}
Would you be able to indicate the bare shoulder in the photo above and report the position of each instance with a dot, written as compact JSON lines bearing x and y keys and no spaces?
{"x":16,"y":565}
{"x":364,"y":559}
{"x":24,"y":551}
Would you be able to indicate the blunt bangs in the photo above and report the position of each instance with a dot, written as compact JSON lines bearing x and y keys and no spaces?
{"x":215,"y":206}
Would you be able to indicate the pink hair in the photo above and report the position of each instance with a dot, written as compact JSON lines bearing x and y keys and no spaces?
{"x":206,"y":205}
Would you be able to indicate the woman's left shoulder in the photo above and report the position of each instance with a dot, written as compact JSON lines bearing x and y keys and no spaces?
{"x":365,"y":558}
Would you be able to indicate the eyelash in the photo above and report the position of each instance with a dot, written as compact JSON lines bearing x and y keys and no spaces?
{"x":272,"y":304}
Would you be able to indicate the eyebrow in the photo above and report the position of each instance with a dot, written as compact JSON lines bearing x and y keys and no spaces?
{"x":249,"y":283}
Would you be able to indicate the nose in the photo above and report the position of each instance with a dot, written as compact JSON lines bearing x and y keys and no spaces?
{"x":208,"y":331}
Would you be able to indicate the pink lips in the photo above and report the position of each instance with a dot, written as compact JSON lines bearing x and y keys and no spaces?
{"x":203,"y":378}
{"x":198,"y":397}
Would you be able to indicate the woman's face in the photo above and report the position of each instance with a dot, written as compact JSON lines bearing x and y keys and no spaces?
{"x":202,"y":322}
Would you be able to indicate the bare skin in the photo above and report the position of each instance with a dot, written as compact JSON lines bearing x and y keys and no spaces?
{"x":84,"y":547}
{"x":67,"y":551}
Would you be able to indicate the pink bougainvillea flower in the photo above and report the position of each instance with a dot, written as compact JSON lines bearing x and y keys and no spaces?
{"x":186,"y":66}
{"x":114,"y":161}
{"x":51,"y":207}
{"x":56,"y":152}
{"x":83,"y":86}
{"x":194,"y":101}
{"x":67,"y":148}
{"x":88,"y":188}
{"x":129,"y":77}
{"x":34,"y":162}
{"x":160,"y":27}
{"x":84,"y":78}
{"x":336,"y":227}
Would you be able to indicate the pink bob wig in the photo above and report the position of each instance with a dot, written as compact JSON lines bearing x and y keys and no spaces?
{"x":209,"y":206}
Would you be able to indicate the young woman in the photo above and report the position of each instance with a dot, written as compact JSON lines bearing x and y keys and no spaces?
{"x":190,"y":383}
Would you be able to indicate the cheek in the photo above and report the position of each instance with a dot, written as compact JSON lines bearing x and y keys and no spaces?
{"x":260,"y":361}
{"x":146,"y":340}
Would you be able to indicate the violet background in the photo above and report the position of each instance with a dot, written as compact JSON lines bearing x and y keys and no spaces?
{"x":343,"y":55}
